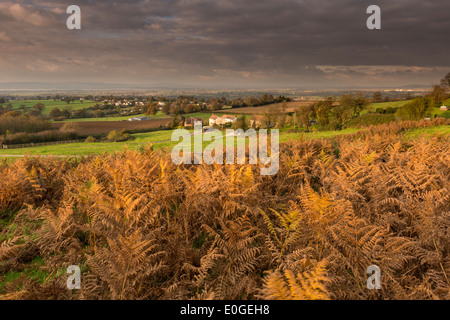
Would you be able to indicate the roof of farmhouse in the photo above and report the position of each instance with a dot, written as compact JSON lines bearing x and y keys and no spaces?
{"x":228,"y":117}
{"x":193,"y":120}
{"x":214,"y":117}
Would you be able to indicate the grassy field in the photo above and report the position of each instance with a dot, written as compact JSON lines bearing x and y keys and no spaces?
{"x":384,"y":105}
{"x":398,"y":104}
{"x":290,"y":107}
{"x":159,"y":115}
{"x":315,"y":135}
{"x":161,"y":139}
{"x":101,"y":127}
{"x":82,"y":148}
{"x":50,"y":104}
{"x":437,"y":111}
{"x":427,"y":132}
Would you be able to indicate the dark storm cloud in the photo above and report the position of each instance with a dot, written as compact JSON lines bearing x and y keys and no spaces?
{"x":222,"y":42}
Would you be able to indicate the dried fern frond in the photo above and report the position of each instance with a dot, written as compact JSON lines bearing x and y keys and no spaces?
{"x":301,"y":286}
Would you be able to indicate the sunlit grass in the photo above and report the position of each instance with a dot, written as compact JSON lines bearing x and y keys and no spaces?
{"x":50,"y":104}
{"x":162,"y":140}
{"x":431,"y":131}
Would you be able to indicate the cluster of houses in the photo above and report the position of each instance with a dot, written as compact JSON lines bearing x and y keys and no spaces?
{"x":124,"y":102}
{"x":215,"y":120}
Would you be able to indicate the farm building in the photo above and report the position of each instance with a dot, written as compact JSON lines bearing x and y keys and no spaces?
{"x":228,"y":119}
{"x":140,"y":118}
{"x":190,"y":122}
{"x":216,"y":120}
{"x":213,"y":120}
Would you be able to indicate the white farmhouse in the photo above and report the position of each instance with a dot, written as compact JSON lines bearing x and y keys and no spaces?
{"x":216,"y":120}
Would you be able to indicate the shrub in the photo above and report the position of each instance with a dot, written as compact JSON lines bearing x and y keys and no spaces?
{"x":369,"y":119}
{"x":55,"y":113}
{"x":90,"y":139}
{"x":391,"y":110}
{"x":118,"y":136}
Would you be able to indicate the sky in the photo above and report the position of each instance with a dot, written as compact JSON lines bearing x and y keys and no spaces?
{"x":226,"y":43}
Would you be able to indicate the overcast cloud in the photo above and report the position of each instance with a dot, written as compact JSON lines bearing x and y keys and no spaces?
{"x":224,"y":43}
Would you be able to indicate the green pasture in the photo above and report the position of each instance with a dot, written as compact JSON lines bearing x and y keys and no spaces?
{"x":159,"y":115}
{"x":50,"y":104}
{"x":162,"y":139}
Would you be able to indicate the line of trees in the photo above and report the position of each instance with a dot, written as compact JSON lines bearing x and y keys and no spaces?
{"x":11,"y":123}
{"x":186,"y":104}
{"x":17,"y":128}
{"x":263,"y":100}
{"x":38,"y":137}
{"x":331,"y":113}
